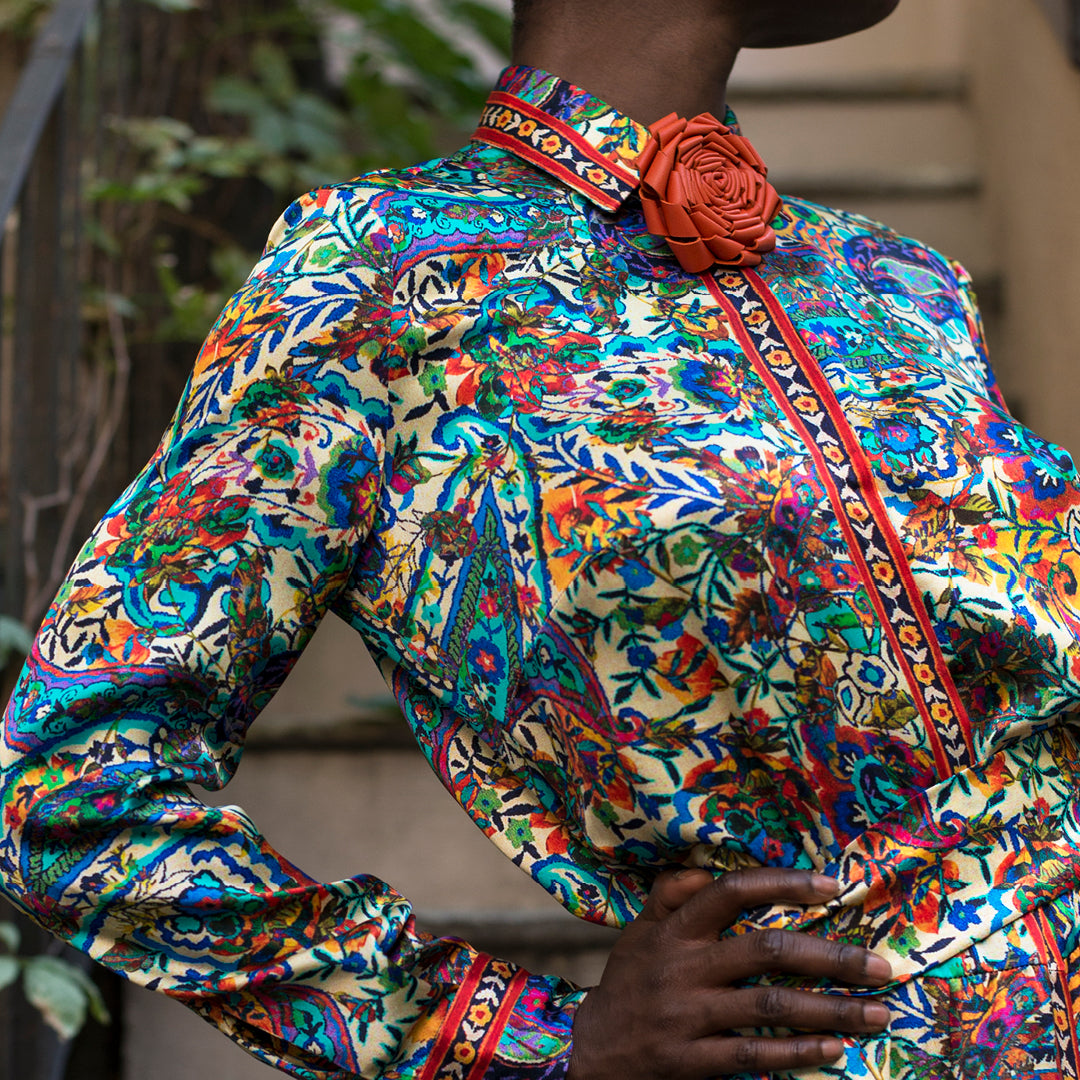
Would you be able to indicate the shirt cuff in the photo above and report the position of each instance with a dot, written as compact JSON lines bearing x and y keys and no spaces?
{"x":505,"y":1024}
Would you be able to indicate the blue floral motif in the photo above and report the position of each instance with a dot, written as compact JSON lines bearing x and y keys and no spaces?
{"x":486,"y":659}
{"x":346,"y":483}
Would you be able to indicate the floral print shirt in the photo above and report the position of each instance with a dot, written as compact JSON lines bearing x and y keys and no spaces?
{"x":741,"y":568}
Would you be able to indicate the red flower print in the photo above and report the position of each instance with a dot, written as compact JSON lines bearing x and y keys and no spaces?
{"x":176,"y":532}
{"x":528,"y":597}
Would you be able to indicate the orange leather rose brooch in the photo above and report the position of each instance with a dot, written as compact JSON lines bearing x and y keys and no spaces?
{"x":704,"y":189}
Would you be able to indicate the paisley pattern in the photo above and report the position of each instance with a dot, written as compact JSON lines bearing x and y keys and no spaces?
{"x":663,"y":569}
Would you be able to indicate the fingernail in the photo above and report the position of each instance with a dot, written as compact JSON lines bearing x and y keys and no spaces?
{"x":825,"y":886}
{"x":686,"y":872}
{"x":875,"y":1014}
{"x":877,"y":967}
{"x":831,"y":1049}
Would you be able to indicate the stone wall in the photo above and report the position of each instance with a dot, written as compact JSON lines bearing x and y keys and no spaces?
{"x":1026,"y":99}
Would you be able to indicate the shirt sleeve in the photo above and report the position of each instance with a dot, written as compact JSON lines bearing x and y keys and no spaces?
{"x":973,"y":319}
{"x":181,"y":616}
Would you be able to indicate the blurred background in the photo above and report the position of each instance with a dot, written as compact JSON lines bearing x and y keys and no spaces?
{"x":147,"y":146}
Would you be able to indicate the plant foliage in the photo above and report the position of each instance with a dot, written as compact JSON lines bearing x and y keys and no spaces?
{"x":63,"y":994}
{"x":15,"y":641}
{"x":312,"y":92}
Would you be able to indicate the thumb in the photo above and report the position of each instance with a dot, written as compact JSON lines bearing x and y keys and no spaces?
{"x":671,"y":890}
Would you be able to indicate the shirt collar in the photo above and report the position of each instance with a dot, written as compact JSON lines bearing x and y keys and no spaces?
{"x":571,"y":135}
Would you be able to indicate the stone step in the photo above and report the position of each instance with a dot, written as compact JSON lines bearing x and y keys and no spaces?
{"x":923,"y":40}
{"x":549,"y":944}
{"x":911,"y":146}
{"x":334,"y":687}
{"x":382,"y":812}
{"x":825,"y":87}
{"x":909,"y":162}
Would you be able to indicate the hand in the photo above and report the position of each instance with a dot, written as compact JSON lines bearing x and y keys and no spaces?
{"x":669,"y":999}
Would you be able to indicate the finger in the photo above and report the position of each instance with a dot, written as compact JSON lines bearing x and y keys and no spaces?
{"x":671,"y":890}
{"x":726,"y":1056}
{"x":786,"y":951}
{"x":714,"y":908}
{"x":784,"y":1007}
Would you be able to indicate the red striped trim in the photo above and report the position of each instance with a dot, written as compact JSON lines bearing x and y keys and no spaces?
{"x":825,"y":472}
{"x":620,"y":180}
{"x":542,"y":161}
{"x":1047,"y":944}
{"x":489,"y":984}
{"x":870,"y":491}
{"x":942,"y":761}
{"x":448,"y":1031}
{"x":491,"y":1039}
{"x":575,"y":138}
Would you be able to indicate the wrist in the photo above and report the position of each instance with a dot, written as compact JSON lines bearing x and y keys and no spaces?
{"x":581,"y":1067}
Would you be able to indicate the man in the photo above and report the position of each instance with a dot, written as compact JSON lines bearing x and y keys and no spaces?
{"x":714,"y":580}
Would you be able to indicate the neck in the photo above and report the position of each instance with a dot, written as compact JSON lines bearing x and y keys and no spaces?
{"x":646,"y":58}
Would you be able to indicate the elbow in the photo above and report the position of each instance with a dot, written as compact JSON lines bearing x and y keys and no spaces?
{"x":49,"y":837}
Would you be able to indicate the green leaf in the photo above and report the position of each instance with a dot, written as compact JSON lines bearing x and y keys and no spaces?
{"x":174,"y":5}
{"x":274,"y":71}
{"x":273,"y":131}
{"x":152,"y":133}
{"x":421,"y":51}
{"x":320,"y":114}
{"x":18,"y":15}
{"x":10,"y":936}
{"x":10,"y":967}
{"x":220,"y":157}
{"x":100,"y":237}
{"x":98,"y":1009}
{"x":57,"y":993}
{"x":176,"y":190}
{"x":232,"y":94}
{"x":15,"y":639}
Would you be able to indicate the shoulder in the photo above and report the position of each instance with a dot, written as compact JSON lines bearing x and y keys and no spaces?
{"x":893,"y":280}
{"x":387,"y":211}
{"x":877,"y":258}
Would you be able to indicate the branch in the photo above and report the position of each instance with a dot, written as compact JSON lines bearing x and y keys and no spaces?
{"x":39,"y":595}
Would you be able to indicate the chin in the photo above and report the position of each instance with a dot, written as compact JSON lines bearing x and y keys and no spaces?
{"x":805,"y":22}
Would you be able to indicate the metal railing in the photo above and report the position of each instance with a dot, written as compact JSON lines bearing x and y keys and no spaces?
{"x":58,"y":407}
{"x":42,"y":142}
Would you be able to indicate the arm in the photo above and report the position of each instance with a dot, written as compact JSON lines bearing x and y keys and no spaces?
{"x":180,"y":618}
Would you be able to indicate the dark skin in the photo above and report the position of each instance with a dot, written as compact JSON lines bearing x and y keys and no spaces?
{"x":674,"y":993}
